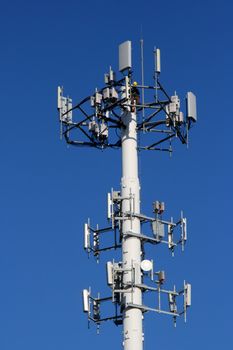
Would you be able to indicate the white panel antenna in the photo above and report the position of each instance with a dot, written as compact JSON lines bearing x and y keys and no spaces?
{"x":125,"y":56}
{"x":184,"y":229}
{"x":87,"y":233}
{"x":59,"y":97}
{"x":170,"y":237}
{"x":157,"y":61}
{"x":188,"y":291}
{"x":110,"y":204}
{"x":191,"y":106}
{"x":86,"y":300}
{"x":109,"y":270}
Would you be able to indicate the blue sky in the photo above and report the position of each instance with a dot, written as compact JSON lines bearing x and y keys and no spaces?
{"x":48,"y":190}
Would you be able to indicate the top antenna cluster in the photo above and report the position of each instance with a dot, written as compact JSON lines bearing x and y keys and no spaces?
{"x":98,"y":114}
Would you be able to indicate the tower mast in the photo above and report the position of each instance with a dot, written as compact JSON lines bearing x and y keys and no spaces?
{"x":131,"y":246}
{"x":116,"y":107}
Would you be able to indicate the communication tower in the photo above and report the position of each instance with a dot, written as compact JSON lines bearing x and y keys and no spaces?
{"x":129,"y":108}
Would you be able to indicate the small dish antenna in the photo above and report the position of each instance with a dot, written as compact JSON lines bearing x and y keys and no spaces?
{"x":146,"y":265}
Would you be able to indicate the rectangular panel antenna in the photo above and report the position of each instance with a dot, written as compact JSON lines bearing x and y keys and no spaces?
{"x":59,"y":97}
{"x":86,"y":307}
{"x":191,"y":106}
{"x":184,"y":229}
{"x":158,"y":229}
{"x":109,"y":206}
{"x":86,"y":236}
{"x":170,"y":237}
{"x":109,"y":270}
{"x":125,"y":56}
{"x":157,"y":61}
{"x":188,"y":289}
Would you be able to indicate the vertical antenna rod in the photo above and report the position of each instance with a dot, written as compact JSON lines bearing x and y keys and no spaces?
{"x":142,"y":70}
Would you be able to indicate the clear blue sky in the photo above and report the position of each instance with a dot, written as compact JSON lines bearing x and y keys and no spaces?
{"x":48,"y":190}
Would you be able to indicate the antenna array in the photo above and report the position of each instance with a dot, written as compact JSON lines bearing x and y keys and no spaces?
{"x":109,"y":118}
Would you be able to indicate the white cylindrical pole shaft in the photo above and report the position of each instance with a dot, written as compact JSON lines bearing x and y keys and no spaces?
{"x":131,"y":246}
